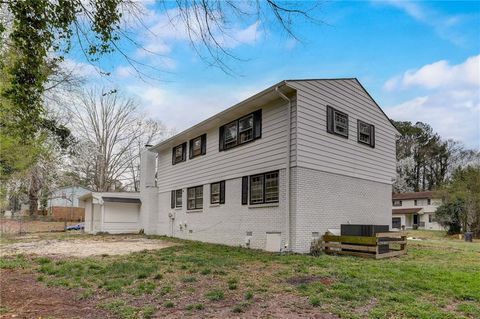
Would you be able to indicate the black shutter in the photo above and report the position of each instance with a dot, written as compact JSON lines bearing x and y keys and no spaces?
{"x":329,"y":119}
{"x":190,"y":149}
{"x":244,"y":190}
{"x":172,"y":199}
{"x":173,"y":156}
{"x":222,"y":192}
{"x":184,"y":151}
{"x":204,"y":144}
{"x":221,"y":139}
{"x":372,"y":136}
{"x":257,"y":124}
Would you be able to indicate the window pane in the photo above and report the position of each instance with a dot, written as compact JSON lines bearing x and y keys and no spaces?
{"x":215,"y":196}
{"x":178,"y":153}
{"x":364,"y":132}
{"x":231,"y":134}
{"x":271,"y":187}
{"x":256,"y":184}
{"x":191,"y":193}
{"x":178,"y":198}
{"x":197,"y":146}
{"x":341,"y":123}
{"x":245,"y":127}
{"x":199,"y":197}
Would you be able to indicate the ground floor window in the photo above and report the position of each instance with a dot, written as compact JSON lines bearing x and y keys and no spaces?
{"x":195,"y":197}
{"x":264,"y":188}
{"x":217,"y":193}
{"x":396,"y":222}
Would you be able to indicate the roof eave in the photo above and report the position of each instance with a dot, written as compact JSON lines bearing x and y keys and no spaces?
{"x":220,"y":114}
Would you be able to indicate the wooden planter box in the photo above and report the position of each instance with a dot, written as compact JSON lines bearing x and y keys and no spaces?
{"x":368,"y":247}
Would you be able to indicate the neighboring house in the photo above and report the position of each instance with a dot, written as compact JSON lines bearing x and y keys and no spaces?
{"x":114,"y":213}
{"x":412,"y":210}
{"x":66,"y":196}
{"x":276,"y":170}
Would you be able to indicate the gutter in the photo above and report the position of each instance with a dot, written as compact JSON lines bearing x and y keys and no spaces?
{"x":287,"y":162}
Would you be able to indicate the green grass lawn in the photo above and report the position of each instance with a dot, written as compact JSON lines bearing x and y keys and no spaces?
{"x":438,"y":278}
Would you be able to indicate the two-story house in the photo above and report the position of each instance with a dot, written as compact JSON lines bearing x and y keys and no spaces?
{"x":415,"y":210}
{"x":276,"y":170}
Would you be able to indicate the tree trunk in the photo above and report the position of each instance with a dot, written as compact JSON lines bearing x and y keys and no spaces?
{"x":35,"y":186}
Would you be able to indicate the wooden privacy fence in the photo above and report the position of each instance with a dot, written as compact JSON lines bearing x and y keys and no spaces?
{"x":62,"y":213}
{"x":382,"y":245}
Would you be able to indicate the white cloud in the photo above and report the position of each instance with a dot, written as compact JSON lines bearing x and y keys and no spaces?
{"x":179,"y":108}
{"x":168,"y":29}
{"x":123,"y":71}
{"x":443,"y":25}
{"x":81,"y":69}
{"x":450,"y":101}
{"x":439,"y":75}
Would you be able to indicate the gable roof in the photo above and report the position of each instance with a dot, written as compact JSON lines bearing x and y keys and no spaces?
{"x":416,"y":195}
{"x":406,"y":210}
{"x":363,"y":89}
{"x":242,"y":107}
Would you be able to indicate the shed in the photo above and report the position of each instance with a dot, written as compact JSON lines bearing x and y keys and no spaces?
{"x":114,"y":213}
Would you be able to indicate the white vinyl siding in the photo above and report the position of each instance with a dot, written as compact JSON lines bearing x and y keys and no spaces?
{"x":261,"y":155}
{"x":317,"y":149}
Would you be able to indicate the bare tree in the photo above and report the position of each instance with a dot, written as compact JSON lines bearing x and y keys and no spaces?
{"x":110,"y":132}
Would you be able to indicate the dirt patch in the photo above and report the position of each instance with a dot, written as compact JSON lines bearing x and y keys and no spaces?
{"x":84,"y":247}
{"x":21,"y":296}
{"x":296,"y":281}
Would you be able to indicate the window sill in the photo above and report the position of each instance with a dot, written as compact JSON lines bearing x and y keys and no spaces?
{"x":264,"y":205}
{"x":195,"y":211}
{"x":215,"y":205}
{"x":178,"y":208}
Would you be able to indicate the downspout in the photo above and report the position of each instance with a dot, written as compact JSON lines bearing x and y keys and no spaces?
{"x":287,"y":171}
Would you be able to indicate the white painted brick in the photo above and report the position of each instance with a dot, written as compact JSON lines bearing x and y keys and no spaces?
{"x":227,"y":223}
{"x":323,"y":201}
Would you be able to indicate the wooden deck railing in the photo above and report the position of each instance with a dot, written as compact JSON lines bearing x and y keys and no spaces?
{"x":383,"y":245}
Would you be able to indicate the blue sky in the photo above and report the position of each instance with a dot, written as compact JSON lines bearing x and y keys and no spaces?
{"x":419,"y":60}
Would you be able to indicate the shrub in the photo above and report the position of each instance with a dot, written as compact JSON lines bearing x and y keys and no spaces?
{"x":215,"y":295}
{"x":248,"y":295}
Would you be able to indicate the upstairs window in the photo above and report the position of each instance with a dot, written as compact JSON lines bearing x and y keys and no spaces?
{"x":231,"y":135}
{"x":337,"y":122}
{"x":264,"y":188}
{"x":241,"y":131}
{"x":198,"y":146}
{"x":422,"y":202}
{"x":195,"y":197}
{"x":217,"y":193}
{"x":245,"y":129}
{"x":397,"y":203}
{"x":366,"y":133}
{"x":179,"y":153}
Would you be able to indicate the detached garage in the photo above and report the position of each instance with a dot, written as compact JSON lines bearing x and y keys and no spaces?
{"x":114,"y":213}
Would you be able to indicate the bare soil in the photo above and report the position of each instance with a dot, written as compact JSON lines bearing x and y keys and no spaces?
{"x":21,"y":296}
{"x":84,"y":247}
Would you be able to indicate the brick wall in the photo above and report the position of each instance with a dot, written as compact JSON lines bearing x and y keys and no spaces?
{"x":225,"y":224}
{"x":323,"y":201}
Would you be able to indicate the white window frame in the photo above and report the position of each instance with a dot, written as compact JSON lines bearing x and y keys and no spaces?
{"x":339,"y":123}
{"x":178,"y":191}
{"x":254,"y":198}
{"x":195,"y":198}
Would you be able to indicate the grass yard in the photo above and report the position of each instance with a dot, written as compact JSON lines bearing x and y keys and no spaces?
{"x":439,"y":278}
